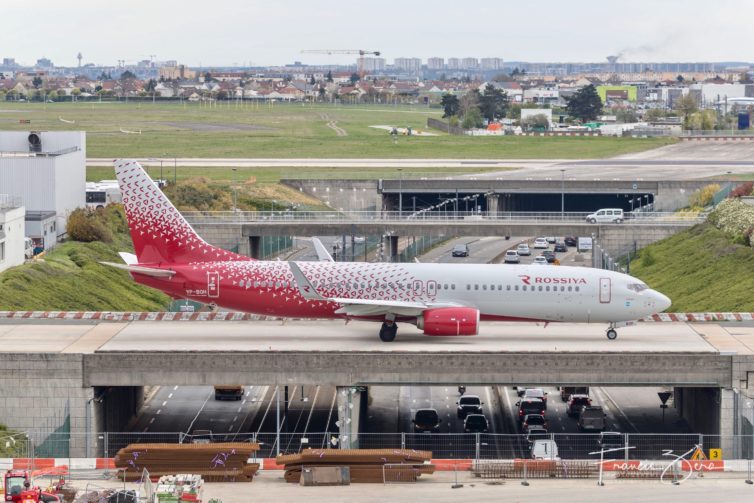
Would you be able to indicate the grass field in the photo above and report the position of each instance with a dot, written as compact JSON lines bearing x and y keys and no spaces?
{"x":70,"y":278}
{"x":700,"y":270}
{"x":286,"y":131}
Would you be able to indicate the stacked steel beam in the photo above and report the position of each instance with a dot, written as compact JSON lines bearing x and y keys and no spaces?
{"x":221,"y":462}
{"x":366,"y":465}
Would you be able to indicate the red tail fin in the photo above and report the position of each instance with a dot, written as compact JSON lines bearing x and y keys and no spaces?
{"x":158,"y":230}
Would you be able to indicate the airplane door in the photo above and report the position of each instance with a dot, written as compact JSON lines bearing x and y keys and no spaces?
{"x":418,"y":287}
{"x":605,"y":290}
{"x":213,"y":284}
{"x":431,"y":288}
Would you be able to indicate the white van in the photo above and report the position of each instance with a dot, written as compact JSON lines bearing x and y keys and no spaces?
{"x":608,"y":215}
{"x":544,"y":449}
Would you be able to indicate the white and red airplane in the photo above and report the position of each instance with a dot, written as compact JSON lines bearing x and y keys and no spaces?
{"x":440,"y":299}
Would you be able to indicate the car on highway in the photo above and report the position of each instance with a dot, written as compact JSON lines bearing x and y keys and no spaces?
{"x":523,"y":249}
{"x":609,"y":440}
{"x":520,"y":390}
{"x":460,"y":250}
{"x":511,"y":257}
{"x":549,"y":255}
{"x":540,"y":260}
{"x":567,"y":391}
{"x":537,"y":433}
{"x":528,"y":406}
{"x":533,"y":421}
{"x":536,"y":393}
{"x":550,"y":239}
{"x":575,"y":403}
{"x":469,"y":404}
{"x":544,"y":449}
{"x":541,"y":243}
{"x":560,"y":247}
{"x":570,"y":240}
{"x":606,"y":216}
{"x":475,"y":423}
{"x":426,"y":421}
{"x":592,"y":418}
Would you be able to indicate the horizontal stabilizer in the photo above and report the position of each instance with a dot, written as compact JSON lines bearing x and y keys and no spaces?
{"x":140,"y":269}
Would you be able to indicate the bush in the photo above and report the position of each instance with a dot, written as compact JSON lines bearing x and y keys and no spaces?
{"x":197,"y":195}
{"x":735,"y":218}
{"x":89,"y":225}
{"x":703,"y":197}
{"x":472,"y":119}
{"x":647,"y":259}
{"x":742,"y":190}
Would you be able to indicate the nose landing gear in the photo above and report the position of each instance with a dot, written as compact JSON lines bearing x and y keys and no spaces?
{"x":611,"y":333}
{"x":388,"y":330}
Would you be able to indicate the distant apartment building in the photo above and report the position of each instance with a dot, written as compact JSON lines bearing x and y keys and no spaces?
{"x":11,"y":232}
{"x":179,"y":72}
{"x":408,"y":65}
{"x":9,"y":62}
{"x":469,"y":64}
{"x":372,"y":65}
{"x":492,"y":63}
{"x":454,"y":64}
{"x":44,"y":63}
{"x":436,"y":64}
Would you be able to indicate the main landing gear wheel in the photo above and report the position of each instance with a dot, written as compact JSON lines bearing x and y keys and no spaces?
{"x":387,"y":332}
{"x":612,"y":334}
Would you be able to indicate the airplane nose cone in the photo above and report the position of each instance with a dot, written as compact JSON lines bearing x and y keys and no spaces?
{"x":663,"y":301}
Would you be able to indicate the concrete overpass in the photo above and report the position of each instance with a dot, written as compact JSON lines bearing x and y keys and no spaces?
{"x":97,"y":370}
{"x":245,"y":230}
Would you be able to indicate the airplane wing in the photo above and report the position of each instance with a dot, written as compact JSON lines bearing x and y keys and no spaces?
{"x":363,"y":307}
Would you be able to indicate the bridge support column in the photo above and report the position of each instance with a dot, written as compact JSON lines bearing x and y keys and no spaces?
{"x":255,"y":246}
{"x":493,"y":204}
{"x":349,"y":415}
{"x":391,"y":244}
{"x":728,"y":419}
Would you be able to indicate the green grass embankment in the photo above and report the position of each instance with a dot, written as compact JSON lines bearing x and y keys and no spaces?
{"x":70,"y":278}
{"x":700,"y":269}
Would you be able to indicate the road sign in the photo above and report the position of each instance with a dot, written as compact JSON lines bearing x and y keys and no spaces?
{"x":664,"y":396}
{"x":716,"y":454}
{"x":699,"y":455}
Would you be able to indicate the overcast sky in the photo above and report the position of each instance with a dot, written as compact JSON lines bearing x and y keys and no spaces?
{"x":275,"y":31}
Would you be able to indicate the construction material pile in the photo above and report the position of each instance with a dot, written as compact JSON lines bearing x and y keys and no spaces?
{"x":365,"y":465}
{"x":220,"y":462}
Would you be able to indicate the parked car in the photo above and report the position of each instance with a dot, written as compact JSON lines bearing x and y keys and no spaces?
{"x":511,"y":257}
{"x":541,"y":243}
{"x":575,"y":403}
{"x":592,"y":418}
{"x":461,"y":250}
{"x":560,"y":247}
{"x":550,"y":239}
{"x":475,"y":423}
{"x":523,"y":249}
{"x":540,"y":260}
{"x":570,"y":240}
{"x":544,"y":449}
{"x":567,"y":391}
{"x":536,"y":393}
{"x":533,"y":421}
{"x":606,"y":216}
{"x":426,"y":421}
{"x":528,"y":406}
{"x":469,"y":404}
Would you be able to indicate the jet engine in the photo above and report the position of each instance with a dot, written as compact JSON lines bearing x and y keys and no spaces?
{"x":449,"y":321}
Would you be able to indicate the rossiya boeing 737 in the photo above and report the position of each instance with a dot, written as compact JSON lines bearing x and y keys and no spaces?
{"x":440,"y":299}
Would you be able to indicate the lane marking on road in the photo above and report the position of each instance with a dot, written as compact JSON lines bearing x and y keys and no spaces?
{"x":235,"y":418}
{"x":244,"y":401}
{"x":164,"y":403}
{"x":175,"y":388}
{"x":159,"y":410}
{"x":209,"y":395}
{"x":151,"y":420}
{"x":145,"y":429}
{"x":230,"y":427}
{"x":239,"y":409}
{"x":509,"y":408}
{"x":170,"y":396}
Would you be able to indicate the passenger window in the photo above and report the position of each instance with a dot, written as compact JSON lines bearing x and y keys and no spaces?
{"x":562,"y":288}
{"x":540,"y":288}
{"x":577,"y":289}
{"x":516,"y":287}
{"x":547,"y":288}
{"x":453,"y":286}
{"x":256,"y":284}
{"x":484,"y":287}
{"x":499,"y":287}
{"x":570,"y":288}
{"x":601,"y":212}
{"x":508,"y":287}
{"x":468,"y":287}
{"x":476,"y":287}
{"x":522,"y":288}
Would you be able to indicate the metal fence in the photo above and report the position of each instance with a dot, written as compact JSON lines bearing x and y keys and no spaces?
{"x":225,"y":217}
{"x":476,"y":446}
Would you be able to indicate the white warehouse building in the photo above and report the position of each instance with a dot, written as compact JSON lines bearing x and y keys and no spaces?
{"x":46,"y":170}
{"x":11,"y":232}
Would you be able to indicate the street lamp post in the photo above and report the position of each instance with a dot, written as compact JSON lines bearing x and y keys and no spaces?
{"x":413,"y":207}
{"x":400,"y":192}
{"x":562,"y":194}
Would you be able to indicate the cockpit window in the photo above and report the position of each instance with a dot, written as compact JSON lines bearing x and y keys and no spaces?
{"x":638,"y":287}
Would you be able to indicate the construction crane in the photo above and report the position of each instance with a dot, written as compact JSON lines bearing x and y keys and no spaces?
{"x":360,"y":52}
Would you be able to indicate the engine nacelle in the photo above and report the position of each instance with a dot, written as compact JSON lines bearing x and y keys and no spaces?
{"x":449,"y":321}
